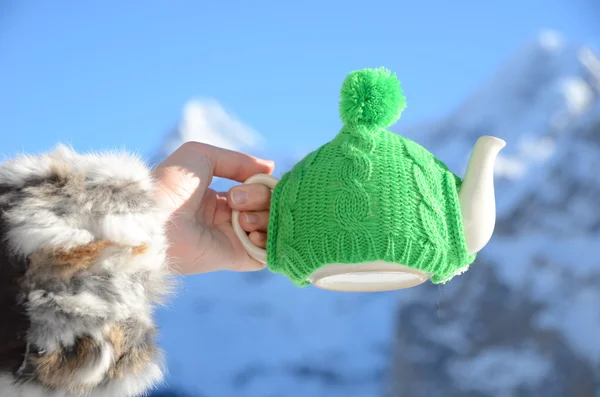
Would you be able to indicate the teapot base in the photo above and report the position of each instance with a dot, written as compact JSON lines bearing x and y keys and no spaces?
{"x":367,"y":277}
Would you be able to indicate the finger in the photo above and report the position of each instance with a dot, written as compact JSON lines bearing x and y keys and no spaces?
{"x":230,"y":164}
{"x":254,"y":221}
{"x":222,"y":211}
{"x":242,"y":262}
{"x":251,"y":197}
{"x":259,"y":239}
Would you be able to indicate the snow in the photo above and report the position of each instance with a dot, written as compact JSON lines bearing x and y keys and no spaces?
{"x":592,"y":63}
{"x":550,"y":40}
{"x":545,"y":78}
{"x":208,"y":122}
{"x":576,"y":316}
{"x":544,"y":103}
{"x":261,"y":334}
{"x":578,"y":94}
{"x":558,"y":269}
{"x":499,"y":372}
{"x":560,"y":274}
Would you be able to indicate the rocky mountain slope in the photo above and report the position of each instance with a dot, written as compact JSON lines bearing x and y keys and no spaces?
{"x":522,"y":322}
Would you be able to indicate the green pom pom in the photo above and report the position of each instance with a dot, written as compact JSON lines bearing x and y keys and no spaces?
{"x":371,"y":97}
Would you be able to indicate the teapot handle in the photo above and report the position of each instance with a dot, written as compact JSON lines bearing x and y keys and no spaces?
{"x":255,"y":252}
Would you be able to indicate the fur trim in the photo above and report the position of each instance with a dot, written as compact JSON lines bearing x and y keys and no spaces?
{"x":83,"y":259}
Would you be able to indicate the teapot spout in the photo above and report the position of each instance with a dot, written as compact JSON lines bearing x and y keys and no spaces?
{"x":476,"y":196}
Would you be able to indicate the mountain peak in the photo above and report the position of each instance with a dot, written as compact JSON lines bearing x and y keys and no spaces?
{"x":207,"y":121}
{"x":546,"y":78}
{"x":550,"y":40}
{"x":532,"y":98}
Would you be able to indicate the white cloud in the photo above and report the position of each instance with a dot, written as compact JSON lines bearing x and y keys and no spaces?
{"x":208,"y":122}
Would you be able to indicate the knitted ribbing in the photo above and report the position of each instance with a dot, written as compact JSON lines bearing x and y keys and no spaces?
{"x":368,"y":195}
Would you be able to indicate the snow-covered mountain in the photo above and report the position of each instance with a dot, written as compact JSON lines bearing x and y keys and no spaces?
{"x":522,"y":322}
{"x":206,"y":121}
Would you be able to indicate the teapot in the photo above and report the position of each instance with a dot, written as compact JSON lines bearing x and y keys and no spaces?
{"x":372,"y":210}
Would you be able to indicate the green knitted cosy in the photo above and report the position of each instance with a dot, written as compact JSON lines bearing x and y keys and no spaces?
{"x":368,"y":195}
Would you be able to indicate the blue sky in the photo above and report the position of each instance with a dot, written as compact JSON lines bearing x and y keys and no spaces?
{"x":111,"y":73}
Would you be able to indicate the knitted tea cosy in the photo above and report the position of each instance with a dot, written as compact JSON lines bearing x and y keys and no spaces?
{"x":368,"y":195}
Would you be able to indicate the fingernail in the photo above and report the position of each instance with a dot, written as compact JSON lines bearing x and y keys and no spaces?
{"x":239,"y":197}
{"x":251,"y":218}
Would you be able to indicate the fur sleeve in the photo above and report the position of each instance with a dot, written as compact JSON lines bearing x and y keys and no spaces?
{"x":83,"y":263}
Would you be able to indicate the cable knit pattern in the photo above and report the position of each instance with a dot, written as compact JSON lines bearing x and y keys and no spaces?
{"x":368,"y":195}
{"x":352,"y":202}
{"x":83,"y":261}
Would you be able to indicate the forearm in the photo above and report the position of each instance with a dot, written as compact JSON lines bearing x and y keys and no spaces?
{"x":83,"y":265}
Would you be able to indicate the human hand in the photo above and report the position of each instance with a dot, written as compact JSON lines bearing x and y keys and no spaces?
{"x":200,"y":233}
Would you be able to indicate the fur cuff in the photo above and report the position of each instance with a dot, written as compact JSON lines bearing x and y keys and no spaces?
{"x":83,"y":263}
